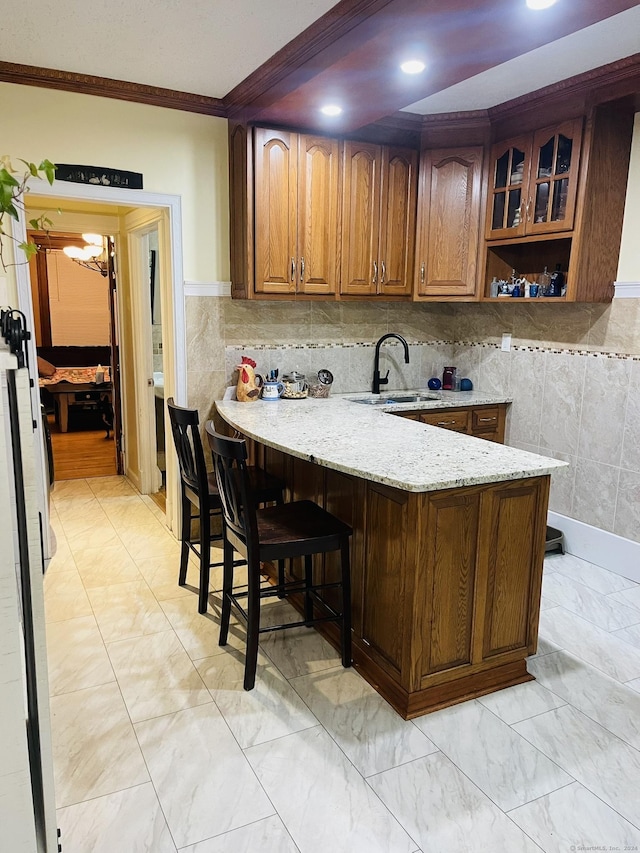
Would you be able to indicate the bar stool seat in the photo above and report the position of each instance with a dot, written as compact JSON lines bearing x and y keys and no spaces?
{"x":199,"y":489}
{"x":273,"y":534}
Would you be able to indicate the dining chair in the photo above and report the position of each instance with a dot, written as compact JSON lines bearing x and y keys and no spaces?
{"x":271,"y":534}
{"x":199,"y":490}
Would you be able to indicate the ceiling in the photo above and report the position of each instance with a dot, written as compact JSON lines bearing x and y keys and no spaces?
{"x":279,"y":61}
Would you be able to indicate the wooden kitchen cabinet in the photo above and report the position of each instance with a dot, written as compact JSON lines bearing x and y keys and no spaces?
{"x":449,"y":223}
{"x":378,"y":219}
{"x":296,"y":213}
{"x":533,"y":182}
{"x":569,"y":208}
{"x":481,"y":421}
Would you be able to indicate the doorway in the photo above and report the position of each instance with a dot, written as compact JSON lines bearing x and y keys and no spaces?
{"x":131,"y":209}
{"x":78,"y":362}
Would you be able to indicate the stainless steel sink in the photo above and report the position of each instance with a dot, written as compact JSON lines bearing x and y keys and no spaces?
{"x":393,"y":398}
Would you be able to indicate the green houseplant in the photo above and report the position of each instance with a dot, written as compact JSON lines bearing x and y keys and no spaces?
{"x":13,"y":186}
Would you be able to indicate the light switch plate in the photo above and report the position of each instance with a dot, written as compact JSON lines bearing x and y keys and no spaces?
{"x":506,"y":343}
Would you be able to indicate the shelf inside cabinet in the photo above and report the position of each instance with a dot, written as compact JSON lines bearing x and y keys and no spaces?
{"x":528,"y":259}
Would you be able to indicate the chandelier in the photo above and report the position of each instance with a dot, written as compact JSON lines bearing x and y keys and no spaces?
{"x":92,"y":256}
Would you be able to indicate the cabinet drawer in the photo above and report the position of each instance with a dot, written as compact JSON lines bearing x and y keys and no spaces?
{"x":485,"y":420}
{"x":458,"y":420}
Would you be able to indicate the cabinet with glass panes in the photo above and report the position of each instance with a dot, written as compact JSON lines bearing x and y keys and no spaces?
{"x":533,"y":182}
{"x":556,"y":201}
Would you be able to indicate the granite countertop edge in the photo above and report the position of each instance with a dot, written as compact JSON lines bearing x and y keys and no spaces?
{"x":415,"y":457}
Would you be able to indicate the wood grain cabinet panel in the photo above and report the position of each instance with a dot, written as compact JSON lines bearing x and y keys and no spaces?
{"x":509,"y":566}
{"x":296,"y":191}
{"x":360,"y":218}
{"x":387,"y":541}
{"x":448,"y":232}
{"x":453,"y":533}
{"x":453,"y":419}
{"x":378,"y":220}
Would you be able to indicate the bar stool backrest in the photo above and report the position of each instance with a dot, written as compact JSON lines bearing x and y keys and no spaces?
{"x":186,"y":437}
{"x":234,"y":485}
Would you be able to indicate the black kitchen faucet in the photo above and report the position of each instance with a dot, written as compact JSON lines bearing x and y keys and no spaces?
{"x":383,"y":380}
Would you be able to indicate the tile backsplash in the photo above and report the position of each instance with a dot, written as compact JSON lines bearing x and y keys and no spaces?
{"x":573,"y":373}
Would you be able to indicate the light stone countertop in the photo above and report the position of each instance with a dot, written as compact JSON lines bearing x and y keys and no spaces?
{"x":368,"y":442}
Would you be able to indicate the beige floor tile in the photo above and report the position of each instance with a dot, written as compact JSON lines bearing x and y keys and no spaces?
{"x":65,"y":596}
{"x":296,"y":651}
{"x":198,"y":632}
{"x":70,"y":489}
{"x":266,"y":836}
{"x":129,"y":820}
{"x":161,"y":574}
{"x":271,"y":710}
{"x":153,"y":541}
{"x":62,"y":560}
{"x":156,"y":676}
{"x":127,"y":610}
{"x":95,"y":751}
{"x":103,"y":487}
{"x":205,"y":785}
{"x":76,"y":655}
{"x":105,"y":566}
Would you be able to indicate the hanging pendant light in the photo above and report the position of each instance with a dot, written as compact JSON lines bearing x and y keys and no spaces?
{"x":93,"y":256}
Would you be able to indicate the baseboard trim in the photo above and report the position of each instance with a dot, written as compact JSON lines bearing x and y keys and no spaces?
{"x":612,"y":552}
{"x":627,"y":289}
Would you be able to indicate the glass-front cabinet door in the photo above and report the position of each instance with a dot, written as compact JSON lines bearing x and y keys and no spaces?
{"x":554,"y":179}
{"x":508,"y":187}
{"x":533,"y":183}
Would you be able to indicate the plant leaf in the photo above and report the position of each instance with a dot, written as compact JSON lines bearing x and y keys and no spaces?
{"x":30,"y":249}
{"x":49,"y":170}
{"x":6,"y":178}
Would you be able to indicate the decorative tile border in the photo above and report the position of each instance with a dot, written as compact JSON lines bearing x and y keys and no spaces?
{"x":623,"y":356}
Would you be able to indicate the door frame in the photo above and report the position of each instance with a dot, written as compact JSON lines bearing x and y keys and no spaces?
{"x":175,"y":357}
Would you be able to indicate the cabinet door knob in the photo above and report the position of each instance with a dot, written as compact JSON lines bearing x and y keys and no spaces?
{"x":375,"y":272}
{"x":422,"y":272}
{"x":384,"y":273}
{"x":293,"y":269}
{"x":301,"y":270}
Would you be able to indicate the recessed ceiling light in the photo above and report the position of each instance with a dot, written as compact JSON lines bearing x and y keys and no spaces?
{"x":413,"y":66}
{"x":331,"y":110}
{"x":540,"y":4}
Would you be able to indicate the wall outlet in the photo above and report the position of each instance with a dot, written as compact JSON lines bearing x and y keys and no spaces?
{"x":506,"y":343}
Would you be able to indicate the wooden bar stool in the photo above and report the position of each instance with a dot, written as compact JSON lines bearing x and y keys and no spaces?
{"x":275,"y":533}
{"x":199,"y":490}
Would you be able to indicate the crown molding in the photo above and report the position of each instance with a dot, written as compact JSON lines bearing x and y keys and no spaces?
{"x":105,"y":87}
{"x":607,"y":82}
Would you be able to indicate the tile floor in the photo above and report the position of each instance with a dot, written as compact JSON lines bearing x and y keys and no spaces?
{"x":158,"y":748}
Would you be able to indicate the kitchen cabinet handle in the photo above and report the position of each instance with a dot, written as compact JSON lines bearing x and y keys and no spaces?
{"x":293,"y":269}
{"x":486,"y":420}
{"x":301,"y":270}
{"x":446,"y":423}
{"x":384,"y":273}
{"x":422,"y":272}
{"x":375,"y":272}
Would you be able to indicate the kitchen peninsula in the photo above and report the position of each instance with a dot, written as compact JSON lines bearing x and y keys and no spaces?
{"x":448,"y":540}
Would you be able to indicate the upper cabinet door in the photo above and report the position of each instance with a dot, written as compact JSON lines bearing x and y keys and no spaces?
{"x":397,"y":221}
{"x":449,"y":222}
{"x":318,"y":190}
{"x":360,"y":218}
{"x":508,"y":188}
{"x":276,"y":182}
{"x":554,"y":178}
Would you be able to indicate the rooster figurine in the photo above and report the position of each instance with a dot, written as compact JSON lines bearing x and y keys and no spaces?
{"x":249,"y":382}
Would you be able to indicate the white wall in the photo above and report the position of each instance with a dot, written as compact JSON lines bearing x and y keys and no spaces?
{"x":629,"y":265}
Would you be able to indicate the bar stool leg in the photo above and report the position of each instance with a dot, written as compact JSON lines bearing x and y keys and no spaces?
{"x":227,"y":587}
{"x":281,"y":578}
{"x":185,"y":536}
{"x":205,"y":557}
{"x":308,"y":582}
{"x":253,"y":624}
{"x":346,"y":603}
